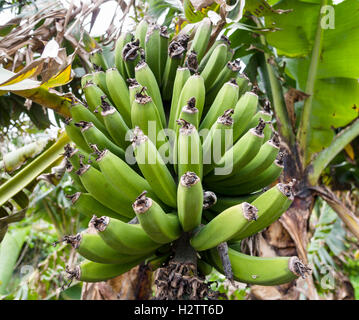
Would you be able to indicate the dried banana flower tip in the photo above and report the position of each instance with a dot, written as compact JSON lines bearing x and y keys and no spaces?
{"x":142,"y":203}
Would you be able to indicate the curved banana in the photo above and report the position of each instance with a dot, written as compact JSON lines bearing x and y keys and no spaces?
{"x":271,"y":205}
{"x":226,"y":99}
{"x":119,"y":94}
{"x":75,"y":135}
{"x":92,"y":247}
{"x":99,"y":79}
{"x":201,"y":38}
{"x":189,"y":201}
{"x":182,"y":75}
{"x":224,"y":226}
{"x":261,"y":271}
{"x":122,"y":40}
{"x":152,"y":51}
{"x":189,"y":112}
{"x":163,"y":48}
{"x":98,"y":60}
{"x":154,"y":169}
{"x":160,"y":226}
{"x":132,"y":54}
{"x":189,"y":150}
{"x":146,"y":78}
{"x":86,"y":79}
{"x":89,"y":206}
{"x":224,"y":203}
{"x":140,"y":32}
{"x":125,"y":238}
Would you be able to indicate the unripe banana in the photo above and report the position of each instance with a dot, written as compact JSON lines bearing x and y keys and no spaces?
{"x":265,"y":115}
{"x":201,"y":38}
{"x":152,"y":51}
{"x":229,"y":71}
{"x":146,"y":78}
{"x":214,"y":65}
{"x":182,"y":75}
{"x":204,"y":268}
{"x":224,"y":203}
{"x":86,"y":79}
{"x":98,"y":60}
{"x":132,"y":54}
{"x":104,"y":192}
{"x":189,"y":201}
{"x":264,"y":179}
{"x":75,"y":178}
{"x":271,"y":205}
{"x":164,"y":40}
{"x":264,"y":158}
{"x":218,"y":141}
{"x":125,"y":238}
{"x":93,"y":135}
{"x":226,"y":99}
{"x":242,"y":152}
{"x":194,"y":87}
{"x":75,"y":135}
{"x":140,"y":32}
{"x":89,"y":206}
{"x":134,"y":88}
{"x":145,"y":115}
{"x":123,"y":39}
{"x":90,"y":271}
{"x":244,"y":83}
{"x":244,"y":111}
{"x":189,"y":113}
{"x":115,"y":125}
{"x":224,"y":226}
{"x":160,"y":227}
{"x":99,"y":79}
{"x":154,"y":169}
{"x":175,"y":56}
{"x":222,"y":40}
{"x":189,"y":150}
{"x":122,"y":176}
{"x":80,"y":113}
{"x":74,"y":156}
{"x":93,"y":248}
{"x":119,"y":94}
{"x":261,"y":271}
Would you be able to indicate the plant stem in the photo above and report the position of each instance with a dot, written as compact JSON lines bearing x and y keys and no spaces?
{"x":324,"y":157}
{"x":304,"y":127}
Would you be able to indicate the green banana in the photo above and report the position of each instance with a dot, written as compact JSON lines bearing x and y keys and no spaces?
{"x":189,"y":150}
{"x":189,"y":201}
{"x":182,"y":75}
{"x":89,"y":206}
{"x":99,"y":79}
{"x":242,"y":152}
{"x":224,"y":226}
{"x":214,"y":65}
{"x":140,"y":32}
{"x":98,"y":60}
{"x":222,"y":40}
{"x":174,"y":59}
{"x":119,"y":94}
{"x":115,"y":125}
{"x":104,"y":192}
{"x":74,"y":156}
{"x":75,"y":135}
{"x":125,"y":238}
{"x":217,"y":141}
{"x":160,"y":227}
{"x":201,"y":38}
{"x":75,"y":178}
{"x":264,"y":158}
{"x":93,"y":135}
{"x":152,"y":51}
{"x":163,"y":48}
{"x":122,"y":176}
{"x":133,"y":89}
{"x":123,"y":39}
{"x":262,"y":114}
{"x":146,"y":78}
{"x":90,"y":271}
{"x":271,"y":205}
{"x":86,"y":79}
{"x":226,"y":99}
{"x":189,"y":112}
{"x":244,"y":111}
{"x":224,"y":203}
{"x":154,"y":169}
{"x":145,"y":115}
{"x":92,"y":247}
{"x":261,"y":271}
{"x":264,"y":179}
{"x":132,"y":54}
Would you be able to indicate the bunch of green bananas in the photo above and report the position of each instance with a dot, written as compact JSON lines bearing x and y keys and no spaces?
{"x":142,"y":187}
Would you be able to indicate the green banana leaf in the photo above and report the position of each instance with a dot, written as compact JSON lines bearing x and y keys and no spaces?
{"x":10,"y":249}
{"x":336,"y":88}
